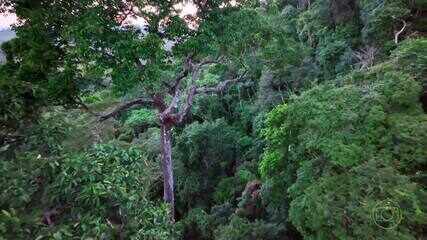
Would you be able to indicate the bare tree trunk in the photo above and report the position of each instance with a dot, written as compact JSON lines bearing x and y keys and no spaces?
{"x":167,"y":168}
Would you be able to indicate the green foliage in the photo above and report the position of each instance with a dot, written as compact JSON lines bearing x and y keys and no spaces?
{"x":240,"y":229}
{"x":207,"y":153}
{"x":270,"y":163}
{"x":38,"y":71}
{"x":10,"y":225}
{"x":30,"y":168}
{"x":96,"y":193}
{"x":379,"y":18}
{"x":225,"y":190}
{"x":197,"y":225}
{"x":149,"y":141}
{"x":99,"y":192}
{"x":333,"y":32}
{"x":229,"y":188}
{"x":141,"y":117}
{"x":350,"y":204}
{"x":96,"y":97}
{"x":360,"y":135}
{"x":334,"y":132}
{"x":313,"y":20}
{"x":333,"y":49}
{"x":410,"y":57}
{"x":62,"y":130}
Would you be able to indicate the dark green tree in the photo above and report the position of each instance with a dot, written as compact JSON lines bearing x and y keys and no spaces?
{"x":39,"y":71}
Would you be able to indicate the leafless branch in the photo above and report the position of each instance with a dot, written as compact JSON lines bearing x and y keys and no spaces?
{"x":397,"y":34}
{"x":189,"y":68}
{"x":174,"y":101}
{"x":125,"y":106}
{"x":175,"y":89}
{"x":188,"y":103}
{"x":365,"y":57}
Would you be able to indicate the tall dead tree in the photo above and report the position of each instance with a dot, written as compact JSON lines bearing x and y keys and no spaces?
{"x":173,"y":113}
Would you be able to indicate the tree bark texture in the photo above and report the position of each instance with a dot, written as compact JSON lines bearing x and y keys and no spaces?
{"x":167,"y":168}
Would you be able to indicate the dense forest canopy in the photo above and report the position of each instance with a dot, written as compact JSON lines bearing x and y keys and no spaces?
{"x":259,"y":120}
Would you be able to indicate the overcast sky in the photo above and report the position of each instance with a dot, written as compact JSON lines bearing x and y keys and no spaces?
{"x":6,"y":21}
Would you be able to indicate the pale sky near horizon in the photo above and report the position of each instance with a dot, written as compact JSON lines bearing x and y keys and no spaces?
{"x":6,"y":20}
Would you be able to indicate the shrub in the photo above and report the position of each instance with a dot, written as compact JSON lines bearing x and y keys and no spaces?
{"x":101,"y":193}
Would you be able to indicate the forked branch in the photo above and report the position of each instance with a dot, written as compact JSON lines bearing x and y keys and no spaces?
{"x":176,"y":92}
{"x":188,"y":103}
